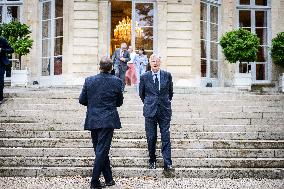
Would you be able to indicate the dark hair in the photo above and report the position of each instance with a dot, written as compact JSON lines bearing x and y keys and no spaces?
{"x":105,"y":64}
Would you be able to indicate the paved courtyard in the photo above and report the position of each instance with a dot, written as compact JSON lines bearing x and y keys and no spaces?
{"x":137,"y":183}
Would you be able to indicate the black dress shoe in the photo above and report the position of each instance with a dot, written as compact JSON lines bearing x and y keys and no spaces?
{"x":100,"y":186}
{"x":169,"y":171}
{"x":152,"y":165}
{"x":111,"y":183}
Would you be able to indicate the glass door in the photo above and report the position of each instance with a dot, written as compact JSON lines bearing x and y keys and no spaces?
{"x":51,"y":37}
{"x":133,"y":22}
{"x":254,"y":15}
{"x":209,"y":39}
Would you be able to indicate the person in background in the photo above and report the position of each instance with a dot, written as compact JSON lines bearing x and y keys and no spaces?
{"x":130,"y":76}
{"x":120,"y":58}
{"x":5,"y":49}
{"x":141,"y":62}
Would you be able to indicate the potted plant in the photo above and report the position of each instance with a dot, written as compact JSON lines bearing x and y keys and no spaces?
{"x":240,"y":46}
{"x":18,"y":36}
{"x":277,"y":54}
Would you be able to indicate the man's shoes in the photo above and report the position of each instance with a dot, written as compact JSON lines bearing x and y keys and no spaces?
{"x":111,"y":183}
{"x":169,"y":171}
{"x":152,"y":165}
{"x":99,"y":186}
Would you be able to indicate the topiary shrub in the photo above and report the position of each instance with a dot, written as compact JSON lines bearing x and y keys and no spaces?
{"x":18,"y":36}
{"x":240,"y":45}
{"x":277,"y":49}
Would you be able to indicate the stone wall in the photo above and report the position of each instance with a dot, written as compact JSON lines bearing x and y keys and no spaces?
{"x":179,"y":38}
{"x":228,"y":23}
{"x":85,"y":38}
{"x":277,"y":25}
{"x":31,"y":16}
{"x":86,"y":25}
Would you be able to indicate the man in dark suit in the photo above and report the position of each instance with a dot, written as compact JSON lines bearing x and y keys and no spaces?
{"x":156,"y":92}
{"x":102,"y":94}
{"x":120,"y":58}
{"x":5,"y":49}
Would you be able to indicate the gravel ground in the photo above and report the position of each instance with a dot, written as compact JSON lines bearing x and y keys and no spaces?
{"x":137,"y":183}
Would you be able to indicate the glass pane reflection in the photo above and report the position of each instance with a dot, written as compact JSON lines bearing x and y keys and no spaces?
{"x":45,"y":67}
{"x":13,"y":13}
{"x":46,"y":10}
{"x":57,"y":65}
{"x":244,"y":18}
{"x":145,"y":39}
{"x":214,"y":69}
{"x":144,"y":14}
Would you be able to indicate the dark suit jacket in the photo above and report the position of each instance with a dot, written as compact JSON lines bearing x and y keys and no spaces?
{"x":116,"y":57}
{"x":154,"y":99}
{"x":102,"y":94}
{"x":5,"y":49}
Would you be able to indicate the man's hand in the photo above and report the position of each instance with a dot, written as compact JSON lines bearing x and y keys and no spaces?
{"x":122,"y":59}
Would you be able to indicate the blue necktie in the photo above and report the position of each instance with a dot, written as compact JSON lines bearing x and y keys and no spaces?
{"x":156,"y":82}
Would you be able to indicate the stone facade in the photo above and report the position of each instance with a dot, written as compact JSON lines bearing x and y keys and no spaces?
{"x":86,"y":38}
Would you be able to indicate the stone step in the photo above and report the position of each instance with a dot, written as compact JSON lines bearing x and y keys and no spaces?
{"x":269,"y":173}
{"x":133,"y":120}
{"x":139,"y":114}
{"x":26,"y":126}
{"x":139,"y":108}
{"x":189,"y":101}
{"x":141,"y":143}
{"x":63,"y":93}
{"x":143,"y":162}
{"x":142,"y":152}
{"x":140,"y":135}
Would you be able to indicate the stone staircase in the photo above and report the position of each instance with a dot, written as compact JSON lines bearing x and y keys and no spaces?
{"x":215,"y":133}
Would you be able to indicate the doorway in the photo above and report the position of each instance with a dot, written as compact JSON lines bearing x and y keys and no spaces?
{"x":133,"y":22}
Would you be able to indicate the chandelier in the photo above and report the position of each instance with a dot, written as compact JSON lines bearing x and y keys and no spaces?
{"x":122,"y":31}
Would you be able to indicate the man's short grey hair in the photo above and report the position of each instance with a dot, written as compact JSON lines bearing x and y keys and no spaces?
{"x":155,"y":56}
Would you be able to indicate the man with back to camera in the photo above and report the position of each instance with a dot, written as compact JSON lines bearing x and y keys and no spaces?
{"x":5,"y":49}
{"x":120,"y":58}
{"x":102,"y":94}
{"x":156,"y":93}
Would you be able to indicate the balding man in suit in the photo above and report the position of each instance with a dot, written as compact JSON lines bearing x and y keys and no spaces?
{"x":120,"y":58}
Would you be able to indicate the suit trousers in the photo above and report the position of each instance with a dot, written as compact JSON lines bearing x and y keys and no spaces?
{"x":101,"y":139}
{"x":2,"y":73}
{"x":151,"y":134}
{"x":120,"y":71}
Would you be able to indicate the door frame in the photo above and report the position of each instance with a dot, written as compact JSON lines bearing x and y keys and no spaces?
{"x":254,"y":8}
{"x":133,"y":2}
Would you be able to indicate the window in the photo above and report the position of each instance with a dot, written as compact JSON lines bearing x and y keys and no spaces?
{"x":10,"y":10}
{"x":144,"y":17}
{"x":52,"y":37}
{"x":209,"y":36}
{"x":254,"y":15}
